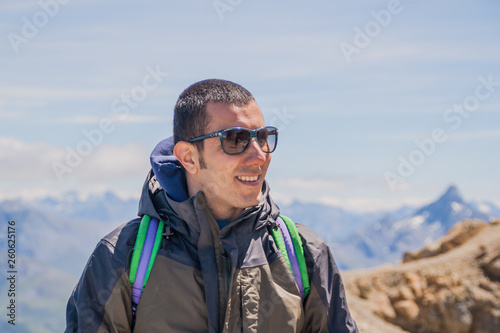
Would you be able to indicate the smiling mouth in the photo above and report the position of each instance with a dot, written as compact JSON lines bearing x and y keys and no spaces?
{"x":248,"y":179}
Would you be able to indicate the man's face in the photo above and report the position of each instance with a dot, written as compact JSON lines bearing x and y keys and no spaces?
{"x":232,"y":183}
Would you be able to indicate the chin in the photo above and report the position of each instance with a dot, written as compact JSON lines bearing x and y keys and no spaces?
{"x":252,"y":202}
{"x":249,"y":200}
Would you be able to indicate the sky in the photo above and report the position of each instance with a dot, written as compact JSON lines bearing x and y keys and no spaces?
{"x":378,"y":103}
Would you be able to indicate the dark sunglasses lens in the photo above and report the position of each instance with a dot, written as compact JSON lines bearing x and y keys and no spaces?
{"x":266,"y":138}
{"x":235,"y":140}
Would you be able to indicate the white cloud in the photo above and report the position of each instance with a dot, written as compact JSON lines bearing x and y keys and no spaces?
{"x":355,"y":203}
{"x":25,"y":162}
{"x":17,"y":6}
{"x":130,"y":119}
{"x":79,"y":120}
{"x":110,"y":161}
{"x":496,"y":202}
{"x":343,"y":191}
{"x":311,"y":183}
{"x":387,"y":52}
{"x":7,"y":115}
{"x":28,"y":168}
{"x":369,"y":204}
{"x":476,"y":135}
{"x":42,"y":93}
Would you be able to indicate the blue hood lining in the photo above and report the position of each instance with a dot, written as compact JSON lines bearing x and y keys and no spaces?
{"x":168,"y":170}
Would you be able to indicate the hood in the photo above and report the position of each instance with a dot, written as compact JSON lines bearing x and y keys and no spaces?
{"x":168,"y":170}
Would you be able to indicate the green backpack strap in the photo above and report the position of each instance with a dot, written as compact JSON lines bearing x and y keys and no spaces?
{"x":292,"y":251}
{"x":146,"y":247}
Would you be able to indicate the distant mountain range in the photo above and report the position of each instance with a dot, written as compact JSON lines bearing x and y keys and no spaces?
{"x":105,"y":207}
{"x":53,"y":242}
{"x":386,"y":240}
{"x":335,"y":223}
{"x":55,"y":236}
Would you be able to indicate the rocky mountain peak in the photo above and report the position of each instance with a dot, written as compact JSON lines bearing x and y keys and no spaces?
{"x":451,"y":195}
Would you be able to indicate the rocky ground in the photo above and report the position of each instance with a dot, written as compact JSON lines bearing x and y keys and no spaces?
{"x":450,"y":286}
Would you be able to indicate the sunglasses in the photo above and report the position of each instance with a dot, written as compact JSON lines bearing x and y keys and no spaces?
{"x":236,"y":140}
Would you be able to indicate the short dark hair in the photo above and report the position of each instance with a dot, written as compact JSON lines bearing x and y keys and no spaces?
{"x":190,"y":118}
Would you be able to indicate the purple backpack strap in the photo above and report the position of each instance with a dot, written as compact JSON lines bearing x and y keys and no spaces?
{"x":144,"y":261}
{"x":292,"y":256}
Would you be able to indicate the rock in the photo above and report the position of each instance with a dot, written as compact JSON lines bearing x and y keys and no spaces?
{"x":493,"y":268}
{"x":415,"y":282}
{"x":458,"y":235}
{"x":406,"y":293}
{"x":455,"y":290}
{"x":384,"y":307}
{"x":364,"y":288}
{"x":407,"y":310}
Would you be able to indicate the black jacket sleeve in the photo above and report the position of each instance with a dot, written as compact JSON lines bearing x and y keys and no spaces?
{"x":101,"y":301}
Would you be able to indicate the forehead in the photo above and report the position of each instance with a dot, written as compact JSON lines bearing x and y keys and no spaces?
{"x":224,"y":115}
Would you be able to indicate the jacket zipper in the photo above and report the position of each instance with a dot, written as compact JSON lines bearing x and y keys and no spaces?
{"x":226,"y":264}
{"x":225,"y":281}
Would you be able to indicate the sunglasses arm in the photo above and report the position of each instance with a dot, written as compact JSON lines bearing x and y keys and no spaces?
{"x":206,"y":136}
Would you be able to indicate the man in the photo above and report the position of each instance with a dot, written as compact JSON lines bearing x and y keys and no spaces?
{"x":218,"y":269}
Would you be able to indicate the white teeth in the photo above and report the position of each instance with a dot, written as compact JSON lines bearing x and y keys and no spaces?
{"x":248,"y":179}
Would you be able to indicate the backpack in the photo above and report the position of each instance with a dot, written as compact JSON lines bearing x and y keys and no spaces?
{"x":149,"y":239}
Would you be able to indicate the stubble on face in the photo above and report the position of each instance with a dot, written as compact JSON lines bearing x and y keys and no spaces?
{"x":232,"y":183}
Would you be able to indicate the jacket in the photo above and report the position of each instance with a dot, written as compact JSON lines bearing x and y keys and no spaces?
{"x":206,"y":279}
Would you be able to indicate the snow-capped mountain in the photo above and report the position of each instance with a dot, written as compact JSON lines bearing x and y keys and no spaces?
{"x":486,"y":207}
{"x":334,"y":223}
{"x":387,"y":239}
{"x":95,"y":207}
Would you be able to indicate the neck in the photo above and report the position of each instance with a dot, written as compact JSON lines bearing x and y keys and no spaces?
{"x":219,"y":212}
{"x":225,"y":215}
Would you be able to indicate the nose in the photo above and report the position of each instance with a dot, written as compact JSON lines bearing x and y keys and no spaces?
{"x":254,"y":154}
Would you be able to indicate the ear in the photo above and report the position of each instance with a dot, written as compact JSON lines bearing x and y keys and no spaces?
{"x":187,"y":154}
